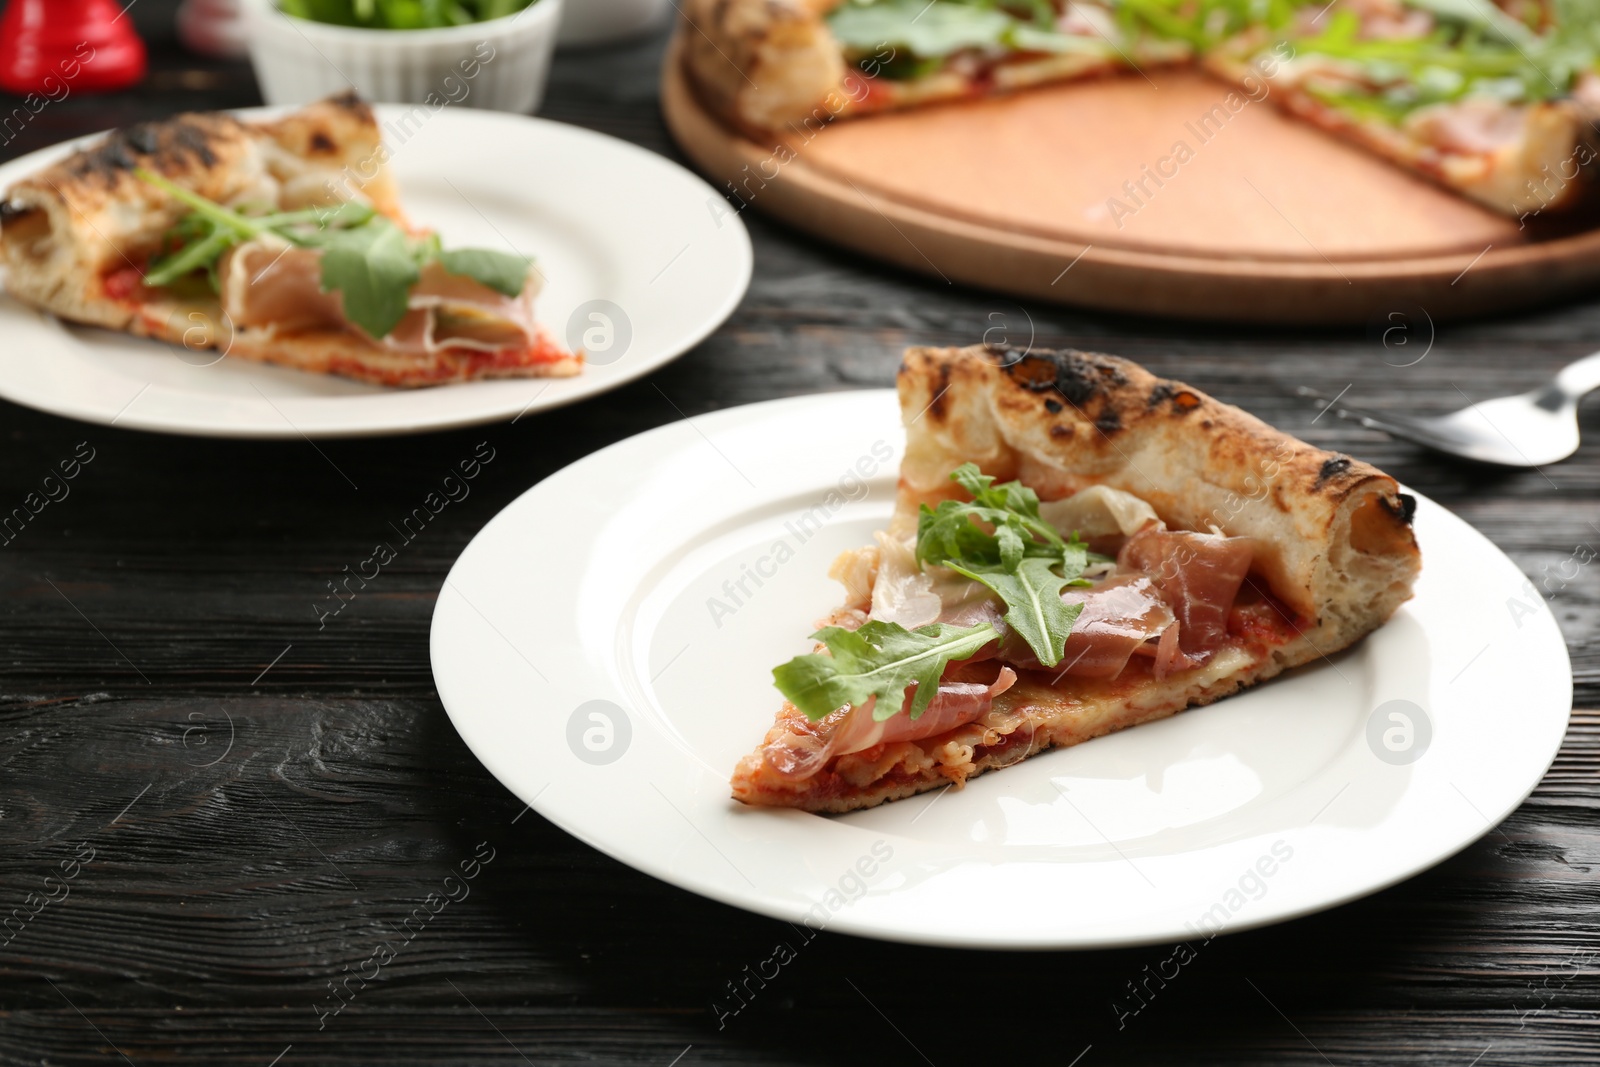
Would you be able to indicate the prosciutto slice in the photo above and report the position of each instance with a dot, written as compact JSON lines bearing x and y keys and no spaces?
{"x":1121,"y":618}
{"x":806,"y":749}
{"x":1197,"y":574}
{"x":272,"y":285}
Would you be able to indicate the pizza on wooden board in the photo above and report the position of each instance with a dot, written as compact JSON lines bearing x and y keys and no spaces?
{"x":1077,"y":546}
{"x":1497,"y":103}
{"x":282,"y":241}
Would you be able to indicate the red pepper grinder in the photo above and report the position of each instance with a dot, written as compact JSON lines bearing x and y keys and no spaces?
{"x":56,"y":47}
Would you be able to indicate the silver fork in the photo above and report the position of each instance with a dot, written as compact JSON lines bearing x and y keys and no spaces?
{"x":1526,"y":430}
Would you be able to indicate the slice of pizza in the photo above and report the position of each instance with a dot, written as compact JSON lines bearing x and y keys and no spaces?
{"x":793,"y":65}
{"x":281,"y":241}
{"x":1461,"y":93}
{"x":1077,"y":547}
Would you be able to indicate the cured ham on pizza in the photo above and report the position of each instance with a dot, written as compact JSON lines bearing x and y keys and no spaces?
{"x":1499,"y":107}
{"x":282,"y":241}
{"x":1077,"y":546}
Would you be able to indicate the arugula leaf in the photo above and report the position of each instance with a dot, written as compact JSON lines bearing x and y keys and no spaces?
{"x":209,"y":209}
{"x":1481,"y":14}
{"x":401,"y":14}
{"x":373,"y":269}
{"x":503,"y":272}
{"x":881,"y":659}
{"x":1032,"y":594}
{"x":1017,"y":562}
{"x":1028,"y":38}
{"x":314,"y":223}
{"x":926,"y":30}
{"x":198,"y":254}
{"x":931,"y":31}
{"x":948,"y":531}
{"x":365,"y":257}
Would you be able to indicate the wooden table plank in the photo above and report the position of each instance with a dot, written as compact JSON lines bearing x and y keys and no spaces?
{"x":137,"y":617}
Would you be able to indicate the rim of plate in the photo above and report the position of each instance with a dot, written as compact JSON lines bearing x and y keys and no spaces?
{"x":519,"y":728}
{"x":412,"y":412}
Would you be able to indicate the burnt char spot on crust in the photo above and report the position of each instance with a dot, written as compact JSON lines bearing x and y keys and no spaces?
{"x":143,"y":139}
{"x":164,"y":146}
{"x":349,"y":100}
{"x":1078,"y":376}
{"x":1332,"y":467}
{"x":1407,"y":508}
{"x":1184,"y":400}
{"x":936,"y":407}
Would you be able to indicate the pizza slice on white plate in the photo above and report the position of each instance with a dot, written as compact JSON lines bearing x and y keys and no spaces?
{"x":281,"y":241}
{"x":1077,"y":547}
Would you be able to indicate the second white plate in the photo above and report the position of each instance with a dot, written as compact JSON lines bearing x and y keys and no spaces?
{"x":619,"y":232}
{"x":605,"y":647}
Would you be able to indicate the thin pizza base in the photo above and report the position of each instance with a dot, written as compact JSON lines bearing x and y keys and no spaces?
{"x":201,"y":326}
{"x":1333,"y":535}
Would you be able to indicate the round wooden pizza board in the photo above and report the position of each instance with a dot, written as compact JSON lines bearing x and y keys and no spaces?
{"x":1170,"y":194}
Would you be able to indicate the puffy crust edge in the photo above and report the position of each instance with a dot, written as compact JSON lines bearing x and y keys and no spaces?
{"x":763,"y":64}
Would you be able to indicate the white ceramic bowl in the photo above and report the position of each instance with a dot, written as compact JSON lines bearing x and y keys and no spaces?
{"x":501,"y":64}
{"x":593,"y":22}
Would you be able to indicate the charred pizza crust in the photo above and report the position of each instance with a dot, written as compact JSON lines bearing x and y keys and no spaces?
{"x":761,"y":66}
{"x":1333,"y":534}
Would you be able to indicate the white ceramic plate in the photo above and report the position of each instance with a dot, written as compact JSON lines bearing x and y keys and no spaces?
{"x":605,"y":220}
{"x":589,"y":651}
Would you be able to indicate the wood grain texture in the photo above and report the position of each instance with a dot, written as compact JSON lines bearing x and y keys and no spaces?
{"x":230,"y":884}
{"x":1052,"y":160}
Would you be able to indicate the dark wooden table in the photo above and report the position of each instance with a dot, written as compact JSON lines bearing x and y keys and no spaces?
{"x":265,"y":802}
